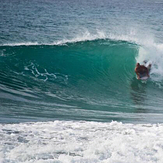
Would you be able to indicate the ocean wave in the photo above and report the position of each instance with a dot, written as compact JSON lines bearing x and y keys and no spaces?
{"x":93,"y":75}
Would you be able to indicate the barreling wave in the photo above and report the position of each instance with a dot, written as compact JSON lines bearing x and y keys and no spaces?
{"x":86,"y":80}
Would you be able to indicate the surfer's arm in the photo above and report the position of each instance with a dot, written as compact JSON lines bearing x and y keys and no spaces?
{"x":138,"y":75}
{"x":148,"y":68}
{"x":147,"y":72}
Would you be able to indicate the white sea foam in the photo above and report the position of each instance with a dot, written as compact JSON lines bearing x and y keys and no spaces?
{"x":78,"y":142}
{"x":153,"y":53}
{"x":44,"y":75}
{"x":21,"y":44}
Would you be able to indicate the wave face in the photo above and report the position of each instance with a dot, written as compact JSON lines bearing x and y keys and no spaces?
{"x":86,"y":80}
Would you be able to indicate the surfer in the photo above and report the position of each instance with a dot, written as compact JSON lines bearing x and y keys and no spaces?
{"x":141,"y":70}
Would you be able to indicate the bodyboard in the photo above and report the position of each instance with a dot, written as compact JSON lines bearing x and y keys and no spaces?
{"x":144,"y":77}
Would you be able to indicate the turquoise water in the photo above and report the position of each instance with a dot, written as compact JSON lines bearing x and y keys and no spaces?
{"x":86,"y":80}
{"x":67,"y":81}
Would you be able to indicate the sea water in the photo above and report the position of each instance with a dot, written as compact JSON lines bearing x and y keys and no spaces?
{"x":68,"y":90}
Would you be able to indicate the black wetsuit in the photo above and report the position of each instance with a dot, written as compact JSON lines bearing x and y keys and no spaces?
{"x":142,"y":70}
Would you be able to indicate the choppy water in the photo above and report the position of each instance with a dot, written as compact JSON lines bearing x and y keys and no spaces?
{"x":64,"y":63}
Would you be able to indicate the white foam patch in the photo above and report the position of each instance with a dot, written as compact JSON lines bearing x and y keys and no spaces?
{"x":21,"y":44}
{"x":78,"y":142}
{"x":153,"y":53}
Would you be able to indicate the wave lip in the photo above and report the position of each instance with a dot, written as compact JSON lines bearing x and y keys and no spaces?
{"x":86,"y":36}
{"x":21,"y":44}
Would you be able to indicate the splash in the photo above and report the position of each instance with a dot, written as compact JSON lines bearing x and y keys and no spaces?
{"x":70,"y":141}
{"x":153,"y":54}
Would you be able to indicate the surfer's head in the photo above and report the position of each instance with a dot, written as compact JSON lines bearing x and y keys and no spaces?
{"x":138,"y":64}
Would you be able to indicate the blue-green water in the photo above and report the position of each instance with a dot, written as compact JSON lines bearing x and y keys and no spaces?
{"x":86,"y":80}
{"x":75,"y":60}
{"x":72,"y":62}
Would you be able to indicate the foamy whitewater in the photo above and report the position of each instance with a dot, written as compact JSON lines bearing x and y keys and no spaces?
{"x":68,"y":90}
{"x":61,"y":141}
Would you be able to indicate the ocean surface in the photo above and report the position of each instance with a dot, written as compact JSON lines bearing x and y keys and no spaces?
{"x":68,"y":90}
